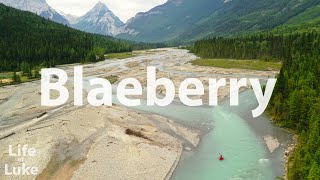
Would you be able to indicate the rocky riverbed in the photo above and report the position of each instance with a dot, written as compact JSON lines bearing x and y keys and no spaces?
{"x":109,"y":142}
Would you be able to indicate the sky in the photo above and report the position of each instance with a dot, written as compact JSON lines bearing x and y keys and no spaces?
{"x":124,"y":9}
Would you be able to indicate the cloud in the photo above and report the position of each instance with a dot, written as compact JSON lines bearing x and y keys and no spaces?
{"x":124,"y":9}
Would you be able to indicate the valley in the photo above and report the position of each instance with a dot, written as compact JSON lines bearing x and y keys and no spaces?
{"x":75,"y":142}
{"x":206,"y":39}
{"x":183,"y":21}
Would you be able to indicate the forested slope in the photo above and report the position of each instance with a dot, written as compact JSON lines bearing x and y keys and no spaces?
{"x":188,"y":20}
{"x":249,"y":16}
{"x":30,"y":40}
{"x":296,"y":100}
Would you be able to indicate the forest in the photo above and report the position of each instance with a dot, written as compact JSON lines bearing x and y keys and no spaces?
{"x":28,"y":40}
{"x":295,"y":103}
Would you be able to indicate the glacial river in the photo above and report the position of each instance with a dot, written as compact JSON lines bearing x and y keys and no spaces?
{"x":228,"y":130}
{"x":233,"y":132}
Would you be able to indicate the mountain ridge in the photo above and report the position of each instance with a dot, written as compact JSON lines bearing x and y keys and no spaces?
{"x":166,"y":21}
{"x":185,"y":20}
{"x":30,"y":39}
{"x":72,"y":19}
{"x":40,"y":7}
{"x":100,"y":20}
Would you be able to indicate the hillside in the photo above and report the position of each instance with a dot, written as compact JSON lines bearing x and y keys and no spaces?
{"x":247,"y":16}
{"x":185,"y":20}
{"x":310,"y":14}
{"x":31,"y":40}
{"x":167,"y":21}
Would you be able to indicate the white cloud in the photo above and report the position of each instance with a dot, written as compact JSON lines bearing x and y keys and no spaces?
{"x":124,"y":9}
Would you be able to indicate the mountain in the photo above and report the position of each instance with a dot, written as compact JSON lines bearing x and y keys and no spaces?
{"x":28,"y":40}
{"x":185,"y":20}
{"x":167,"y":21}
{"x":246,"y":16}
{"x":72,"y":19}
{"x":40,"y":7}
{"x":99,"y":20}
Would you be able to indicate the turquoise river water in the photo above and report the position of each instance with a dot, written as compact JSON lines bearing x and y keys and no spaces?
{"x":233,"y":132}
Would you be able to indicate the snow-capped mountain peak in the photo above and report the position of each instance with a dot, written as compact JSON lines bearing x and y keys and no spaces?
{"x":99,"y":20}
{"x":100,"y":7}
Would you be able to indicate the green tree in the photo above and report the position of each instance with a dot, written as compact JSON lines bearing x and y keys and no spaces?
{"x":314,"y":173}
{"x":25,"y":68}
{"x":16,"y":78}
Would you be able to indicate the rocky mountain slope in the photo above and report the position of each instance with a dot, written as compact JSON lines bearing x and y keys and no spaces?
{"x":99,"y":20}
{"x":40,"y":7}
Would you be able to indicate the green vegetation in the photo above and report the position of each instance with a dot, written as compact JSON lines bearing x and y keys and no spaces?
{"x":241,"y":17}
{"x":6,"y":75}
{"x":193,"y":21}
{"x":308,"y":15}
{"x":124,"y":55}
{"x":267,"y":46}
{"x":28,"y":41}
{"x":296,"y":99}
{"x":112,"y":79}
{"x":8,"y":78}
{"x":243,"y":64}
{"x":296,"y":104}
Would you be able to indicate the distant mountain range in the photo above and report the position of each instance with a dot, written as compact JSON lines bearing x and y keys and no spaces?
{"x":32,"y":40}
{"x":184,"y":20}
{"x":40,"y":7}
{"x":99,"y":20}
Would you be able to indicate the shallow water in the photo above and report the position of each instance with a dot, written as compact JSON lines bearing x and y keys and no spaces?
{"x":233,"y":132}
{"x":228,"y":130}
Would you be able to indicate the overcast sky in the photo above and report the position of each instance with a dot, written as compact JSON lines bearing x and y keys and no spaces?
{"x":124,"y":9}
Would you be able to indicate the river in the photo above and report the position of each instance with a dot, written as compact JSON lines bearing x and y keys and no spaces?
{"x":228,"y":130}
{"x":233,"y":132}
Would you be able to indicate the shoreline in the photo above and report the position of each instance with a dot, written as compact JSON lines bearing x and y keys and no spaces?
{"x":99,"y":140}
{"x":118,"y":122}
{"x":291,"y":147}
{"x":289,"y":152}
{"x":175,"y":165}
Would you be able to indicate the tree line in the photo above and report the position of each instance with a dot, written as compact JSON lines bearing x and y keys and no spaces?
{"x":296,"y":99}
{"x":266,"y":46}
{"x":28,"y":40}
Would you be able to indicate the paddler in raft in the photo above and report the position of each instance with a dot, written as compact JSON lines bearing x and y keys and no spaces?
{"x":221,"y":158}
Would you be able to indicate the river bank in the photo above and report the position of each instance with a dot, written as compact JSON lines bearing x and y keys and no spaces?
{"x":109,"y":142}
{"x":289,"y":153}
{"x":77,"y":142}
